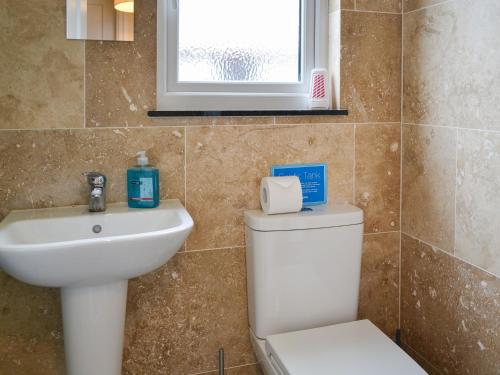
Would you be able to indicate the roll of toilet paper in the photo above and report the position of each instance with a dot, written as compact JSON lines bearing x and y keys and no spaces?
{"x":279,"y":195}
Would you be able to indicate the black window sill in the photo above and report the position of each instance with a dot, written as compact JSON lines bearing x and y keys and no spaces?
{"x":312,"y":112}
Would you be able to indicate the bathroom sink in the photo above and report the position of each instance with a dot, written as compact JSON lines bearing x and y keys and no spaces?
{"x":91,"y":256}
{"x":69,"y":246}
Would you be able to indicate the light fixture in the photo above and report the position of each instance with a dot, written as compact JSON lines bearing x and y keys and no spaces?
{"x":124,"y":6}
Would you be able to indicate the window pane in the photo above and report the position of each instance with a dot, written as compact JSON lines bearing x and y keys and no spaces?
{"x":239,"y":41}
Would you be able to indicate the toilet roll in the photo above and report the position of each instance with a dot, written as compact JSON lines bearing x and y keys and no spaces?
{"x":279,"y":195}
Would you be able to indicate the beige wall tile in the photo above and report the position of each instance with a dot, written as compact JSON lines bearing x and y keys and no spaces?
{"x":429,"y":167}
{"x":371,"y":66}
{"x":478,"y":203}
{"x":31,"y":340}
{"x":121,"y":76}
{"x":42,"y":73}
{"x":409,"y":5}
{"x":377,"y":182}
{"x":392,"y":6}
{"x":180,"y":315}
{"x":379,"y":290}
{"x":225,"y":166}
{"x":43,"y":168}
{"x":449,"y":308}
{"x":347,"y":4}
{"x":341,"y":4}
{"x":449,"y":311}
{"x":444,"y":46}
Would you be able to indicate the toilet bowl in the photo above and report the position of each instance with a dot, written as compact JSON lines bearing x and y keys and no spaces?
{"x":303,"y":273}
{"x":353,"y":348}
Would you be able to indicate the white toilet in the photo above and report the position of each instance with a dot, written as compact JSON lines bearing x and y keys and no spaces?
{"x":303,"y":274}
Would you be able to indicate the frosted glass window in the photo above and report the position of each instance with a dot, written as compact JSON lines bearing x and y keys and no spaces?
{"x":254,"y":41}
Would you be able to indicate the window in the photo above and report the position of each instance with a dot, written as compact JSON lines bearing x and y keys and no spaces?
{"x":239,"y":54}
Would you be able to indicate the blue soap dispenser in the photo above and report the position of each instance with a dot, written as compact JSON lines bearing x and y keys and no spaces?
{"x":143,"y":184}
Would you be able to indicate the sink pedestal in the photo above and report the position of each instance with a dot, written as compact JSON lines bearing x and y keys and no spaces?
{"x":94,"y":322}
{"x":61,"y":248}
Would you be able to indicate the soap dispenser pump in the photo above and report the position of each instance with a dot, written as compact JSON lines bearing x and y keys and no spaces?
{"x":143,"y":184}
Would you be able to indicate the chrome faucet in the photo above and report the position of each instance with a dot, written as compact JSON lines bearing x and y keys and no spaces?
{"x":97,"y":193}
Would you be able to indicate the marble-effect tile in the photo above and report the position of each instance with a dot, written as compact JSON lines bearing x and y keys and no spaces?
{"x":44,"y":168}
{"x":42,"y":76}
{"x":377,"y":177}
{"x":225,"y":166}
{"x":428,"y":201}
{"x":390,"y":6}
{"x":451,"y":75}
{"x":370,"y":80}
{"x":449,"y":311}
{"x":478,"y":203}
{"x":120,"y":77}
{"x":341,"y":4}
{"x":180,"y":315}
{"x":379,"y":288}
{"x":31,"y":338}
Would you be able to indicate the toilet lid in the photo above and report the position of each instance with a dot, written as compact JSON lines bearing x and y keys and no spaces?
{"x":355,"y":348}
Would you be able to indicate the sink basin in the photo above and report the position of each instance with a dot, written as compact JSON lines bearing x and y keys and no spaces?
{"x":91,"y":256}
{"x":58,"y":247}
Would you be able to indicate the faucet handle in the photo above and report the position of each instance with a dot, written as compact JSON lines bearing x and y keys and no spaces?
{"x":95,"y":178}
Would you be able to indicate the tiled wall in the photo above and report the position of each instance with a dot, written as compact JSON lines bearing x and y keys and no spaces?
{"x":67,"y":107}
{"x":450,"y":308}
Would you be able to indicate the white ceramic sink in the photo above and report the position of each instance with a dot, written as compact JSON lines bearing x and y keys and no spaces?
{"x":91,"y":256}
{"x":57,"y":247}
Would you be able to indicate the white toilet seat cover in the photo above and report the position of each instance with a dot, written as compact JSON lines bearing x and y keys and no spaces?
{"x":355,"y":348}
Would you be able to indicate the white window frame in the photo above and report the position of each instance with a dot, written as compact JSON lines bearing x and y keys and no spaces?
{"x":200,"y":96}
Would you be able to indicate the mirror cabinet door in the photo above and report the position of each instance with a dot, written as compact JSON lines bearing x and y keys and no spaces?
{"x":100,"y":19}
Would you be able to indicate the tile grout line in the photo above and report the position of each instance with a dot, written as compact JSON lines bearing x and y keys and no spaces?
{"x":84,"y":84}
{"x":377,"y":233}
{"x":236,"y":247}
{"x":269,"y":126}
{"x":455,"y":185}
{"x":370,"y":11}
{"x":401,"y":167}
{"x":453,"y":127}
{"x":185,"y":178}
{"x":242,"y":246}
{"x":451,"y":255}
{"x":225,"y":368}
{"x":354,"y":167}
{"x":428,"y":7}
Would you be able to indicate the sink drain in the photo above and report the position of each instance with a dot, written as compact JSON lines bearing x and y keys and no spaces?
{"x":96,"y":229}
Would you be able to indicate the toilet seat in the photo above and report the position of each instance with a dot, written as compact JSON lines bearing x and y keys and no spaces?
{"x":354,"y":348}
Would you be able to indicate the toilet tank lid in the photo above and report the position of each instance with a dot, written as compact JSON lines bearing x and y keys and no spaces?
{"x":324,"y":216}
